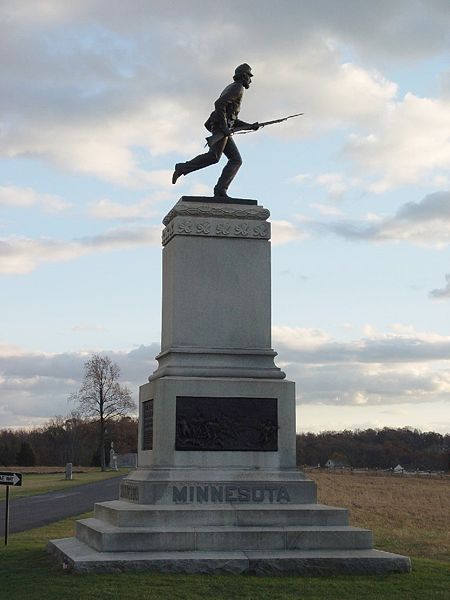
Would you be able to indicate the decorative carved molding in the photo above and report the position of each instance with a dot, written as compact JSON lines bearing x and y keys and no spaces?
{"x":216,"y":228}
{"x":262,"y":230}
{"x":204,"y":228}
{"x":241,"y":229}
{"x":168,"y":233}
{"x":185,"y":226}
{"x":223,"y":228}
{"x":192,"y":209}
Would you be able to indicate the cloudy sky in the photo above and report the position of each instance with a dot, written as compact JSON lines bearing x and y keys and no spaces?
{"x":99,"y":99}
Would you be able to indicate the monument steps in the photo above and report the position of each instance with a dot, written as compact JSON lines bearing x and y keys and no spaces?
{"x":106,"y":537}
{"x":80,"y":558}
{"x":125,"y":514}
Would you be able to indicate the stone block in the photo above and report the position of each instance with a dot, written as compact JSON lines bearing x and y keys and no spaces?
{"x":290,"y":515}
{"x":206,"y":259}
{"x":326,"y":538}
{"x":215,"y":487}
{"x":163,"y":393}
{"x":327,"y":563}
{"x":107,"y":538}
{"x":122,"y":514}
{"x":80,"y":558}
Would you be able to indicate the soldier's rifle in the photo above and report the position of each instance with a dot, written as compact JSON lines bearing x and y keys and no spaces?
{"x":213,"y":139}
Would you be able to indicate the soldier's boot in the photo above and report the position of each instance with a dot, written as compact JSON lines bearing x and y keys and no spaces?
{"x":229,"y":172}
{"x":220,"y":192}
{"x":179,"y":171}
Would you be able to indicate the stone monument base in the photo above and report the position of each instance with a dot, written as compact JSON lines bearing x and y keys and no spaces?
{"x":217,"y":490}
{"x":222,"y":521}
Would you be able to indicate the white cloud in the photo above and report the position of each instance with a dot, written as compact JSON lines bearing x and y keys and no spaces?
{"x":299,"y":337}
{"x":395,"y":368}
{"x":106,"y":209}
{"x":327,"y":210}
{"x":409,"y":145}
{"x":301,"y":177}
{"x":335,"y":184}
{"x":23,"y":255}
{"x":21,"y":197}
{"x":442,"y":293}
{"x":402,"y":344}
{"x":400,"y":366}
{"x":284,"y":232}
{"x":322,"y":417}
{"x":426,"y":222}
{"x":410,"y":332}
{"x":354,"y":384}
{"x":200,"y":189}
{"x":327,"y":89}
{"x":10,"y":350}
{"x":105,"y":147}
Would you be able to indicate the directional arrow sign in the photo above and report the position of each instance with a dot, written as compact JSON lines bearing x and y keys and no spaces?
{"x":10,"y":478}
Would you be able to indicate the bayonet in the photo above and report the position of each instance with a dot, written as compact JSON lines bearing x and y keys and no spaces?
{"x":213,"y":139}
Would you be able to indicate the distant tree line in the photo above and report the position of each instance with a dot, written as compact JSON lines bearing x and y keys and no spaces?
{"x":376,"y":449}
{"x":75,"y":439}
{"x":62,"y":440}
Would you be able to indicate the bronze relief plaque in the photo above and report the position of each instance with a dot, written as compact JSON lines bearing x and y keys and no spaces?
{"x":214,"y":424}
{"x":147,"y":425}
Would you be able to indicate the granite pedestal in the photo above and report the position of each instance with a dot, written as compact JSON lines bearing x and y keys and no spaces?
{"x":217,"y":489}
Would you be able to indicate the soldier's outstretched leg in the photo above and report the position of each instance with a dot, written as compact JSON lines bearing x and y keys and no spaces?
{"x":230,"y":169}
{"x":201,"y":161}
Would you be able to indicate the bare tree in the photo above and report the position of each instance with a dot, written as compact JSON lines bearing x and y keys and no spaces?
{"x":101,"y":397}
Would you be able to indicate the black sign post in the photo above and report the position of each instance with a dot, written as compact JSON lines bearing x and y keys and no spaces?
{"x":9,"y":479}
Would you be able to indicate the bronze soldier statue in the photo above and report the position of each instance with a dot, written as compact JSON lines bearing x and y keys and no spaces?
{"x":221,"y":122}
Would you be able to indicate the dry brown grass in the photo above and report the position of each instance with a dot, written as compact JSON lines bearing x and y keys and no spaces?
{"x":407,"y":515}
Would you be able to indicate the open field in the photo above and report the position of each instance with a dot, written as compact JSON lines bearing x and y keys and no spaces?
{"x":41,"y":482}
{"x":407,"y":516}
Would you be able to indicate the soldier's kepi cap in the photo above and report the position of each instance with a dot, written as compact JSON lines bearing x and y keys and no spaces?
{"x":244,"y":68}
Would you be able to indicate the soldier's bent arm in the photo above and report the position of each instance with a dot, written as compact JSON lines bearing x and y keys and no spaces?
{"x":231,"y":95}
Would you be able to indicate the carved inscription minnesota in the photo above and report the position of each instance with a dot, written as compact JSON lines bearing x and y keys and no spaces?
{"x":182,"y":494}
{"x":128,"y":491}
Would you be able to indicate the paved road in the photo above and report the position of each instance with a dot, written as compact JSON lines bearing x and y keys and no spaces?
{"x":35,"y":511}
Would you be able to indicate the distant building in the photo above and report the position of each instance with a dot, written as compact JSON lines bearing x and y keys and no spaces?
{"x":127,"y":460}
{"x":335,"y":464}
{"x":398,"y":469}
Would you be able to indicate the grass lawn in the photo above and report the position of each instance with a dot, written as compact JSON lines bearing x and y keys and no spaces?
{"x":26,"y":572}
{"x":399,"y":516}
{"x":39,"y":483}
